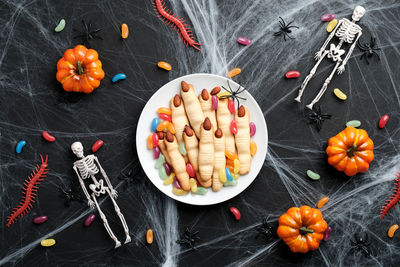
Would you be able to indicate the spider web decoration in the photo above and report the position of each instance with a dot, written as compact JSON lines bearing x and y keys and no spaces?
{"x":87,"y":34}
{"x":233,"y":94}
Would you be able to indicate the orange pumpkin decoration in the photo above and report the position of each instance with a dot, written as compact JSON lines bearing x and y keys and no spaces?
{"x":80,"y":70}
{"x":302,"y":228}
{"x":350,"y":151}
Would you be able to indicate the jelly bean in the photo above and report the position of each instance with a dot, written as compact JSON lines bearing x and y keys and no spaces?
{"x":223,"y":95}
{"x":176,"y":183}
{"x":331,"y":25}
{"x":383,"y":121}
{"x":168,"y":168}
{"x":190,"y":170}
{"x":253,"y":148}
{"x":150,"y":142}
{"x":155,"y":139}
{"x":89,"y":220}
{"x":164,"y":65}
{"x":253,"y":129}
{"x":322,"y":202}
{"x":178,"y":191}
{"x":231,"y":183}
{"x":327,"y":233}
{"x":96,"y":146}
{"x":20,"y":146}
{"x":222,"y":175}
{"x":162,"y":173}
{"x":231,"y":106}
{"x":47,"y":242}
{"x":327,"y":17}
{"x":149,"y":236}
{"x":233,"y":127}
{"x":231,"y":155}
{"x":162,"y":125}
{"x":234,"y":72}
{"x":156,"y":152}
{"x":170,"y":179}
{"x":124,"y":31}
{"x":160,"y":161}
{"x":339,"y":94}
{"x":236,"y":166}
{"x":48,"y":137}
{"x":154,"y":124}
{"x":117,"y":77}
{"x":171,"y":127}
{"x":313,"y":175}
{"x":236,"y":176}
{"x":193,"y":185}
{"x":235,"y":212}
{"x":214,"y":102}
{"x":229,"y":176}
{"x":243,"y":41}
{"x":164,"y":110}
{"x":201,"y":190}
{"x":165,"y":117}
{"x":60,"y":26}
{"x":182,"y":148}
{"x":392,"y":230}
{"x":40,"y":219}
{"x":292,"y":74}
{"x":353,"y":123}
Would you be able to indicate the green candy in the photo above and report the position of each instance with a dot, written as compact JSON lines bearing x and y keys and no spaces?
{"x":353,"y":123}
{"x":313,"y":175}
{"x":160,"y":161}
{"x":60,"y":26}
{"x":182,"y":148}
{"x":162,"y":173}
{"x":201,"y":191}
{"x":231,"y":183}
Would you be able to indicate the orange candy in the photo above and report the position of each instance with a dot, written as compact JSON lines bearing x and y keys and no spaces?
{"x":253,"y":148}
{"x":150,"y":142}
{"x":171,"y":128}
{"x":164,"y":65}
{"x":124,"y":31}
{"x":234,"y":72}
{"x":162,"y":126}
{"x":322,"y":202}
{"x":149,"y":236}
{"x":231,"y":155}
{"x":164,"y":110}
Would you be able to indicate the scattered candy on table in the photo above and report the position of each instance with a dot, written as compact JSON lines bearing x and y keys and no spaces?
{"x":243,"y":41}
{"x":354,"y":123}
{"x":313,"y":175}
{"x":327,"y":233}
{"x":339,"y":94}
{"x":48,"y":137}
{"x":40,"y":219}
{"x":322,"y":202}
{"x":47,"y":242}
{"x":292,"y":74}
{"x":235,"y":213}
{"x":383,"y":121}
{"x":164,"y":65}
{"x":234,"y":72}
{"x":124,"y":31}
{"x":392,"y":230}
{"x":89,"y":220}
{"x":20,"y":145}
{"x":331,"y":25}
{"x":149,"y":236}
{"x":327,"y":17}
{"x":60,"y":26}
{"x":96,"y":146}
{"x":118,"y":77}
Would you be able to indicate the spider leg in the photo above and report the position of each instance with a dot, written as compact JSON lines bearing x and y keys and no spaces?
{"x":278,"y":33}
{"x":366,"y":59}
{"x":361,"y":46}
{"x":379,"y":57}
{"x":293,"y":27}
{"x":284,"y":36}
{"x":363,"y":54}
{"x":282,"y":22}
{"x":229,"y":87}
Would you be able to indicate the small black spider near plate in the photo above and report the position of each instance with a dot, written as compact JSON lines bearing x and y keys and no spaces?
{"x":87,"y":34}
{"x":70,"y":195}
{"x":368,"y":49}
{"x":361,"y":244}
{"x":189,"y":238}
{"x":266,"y":230}
{"x":317,"y":117}
{"x":285,"y":29}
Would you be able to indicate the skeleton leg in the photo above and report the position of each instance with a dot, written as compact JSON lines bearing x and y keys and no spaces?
{"x":103,"y":217}
{"x":324,"y":87}
{"x":121,"y":216}
{"x":309,"y":76}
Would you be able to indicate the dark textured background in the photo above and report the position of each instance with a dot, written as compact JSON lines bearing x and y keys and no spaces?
{"x":32,"y":101}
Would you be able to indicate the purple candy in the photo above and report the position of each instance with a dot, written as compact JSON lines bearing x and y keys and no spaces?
{"x":243,"y":41}
{"x":327,"y":234}
{"x":156,"y":152}
{"x":167,"y":168}
{"x":40,"y":219}
{"x":328,"y":17}
{"x":176,"y":183}
{"x":214,"y":101}
{"x":252,"y":129}
{"x":89,"y":220}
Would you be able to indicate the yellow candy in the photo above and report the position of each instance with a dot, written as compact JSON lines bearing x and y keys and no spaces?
{"x":331,"y":25}
{"x":169,"y":179}
{"x":164,"y":65}
{"x":223,"y":94}
{"x":236,"y":176}
{"x":339,"y":94}
{"x":47,"y":242}
{"x":222,"y":175}
{"x":253,"y":148}
{"x":193,"y":185}
{"x":178,"y":192}
{"x":234,"y":72}
{"x":236,"y":166}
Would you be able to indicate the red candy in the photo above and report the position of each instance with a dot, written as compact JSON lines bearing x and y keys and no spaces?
{"x":235,"y":212}
{"x":292,"y":74}
{"x":155,"y":139}
{"x":168,"y":168}
{"x":190,"y":170}
{"x":234,"y":128}
{"x":165,"y":117}
{"x":231,"y":106}
{"x":383,"y":121}
{"x":48,"y":137}
{"x":97,"y":145}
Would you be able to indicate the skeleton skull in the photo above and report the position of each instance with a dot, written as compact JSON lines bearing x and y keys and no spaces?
{"x":77,"y":148}
{"x":358,"y":13}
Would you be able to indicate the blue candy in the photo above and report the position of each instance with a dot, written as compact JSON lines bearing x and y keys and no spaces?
{"x":154,"y":124}
{"x":117,"y":77}
{"x":228,"y":174}
{"x":19,"y":146}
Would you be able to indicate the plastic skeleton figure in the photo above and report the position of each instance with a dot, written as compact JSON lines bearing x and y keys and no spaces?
{"x":88,"y":167}
{"x":348,"y":32}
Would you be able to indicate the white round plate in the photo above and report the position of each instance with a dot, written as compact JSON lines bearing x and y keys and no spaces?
{"x":161,"y":99}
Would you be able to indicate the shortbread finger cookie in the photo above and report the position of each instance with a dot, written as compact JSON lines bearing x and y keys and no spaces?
{"x":206,"y":151}
{"x":163,"y":148}
{"x":206,"y":184}
{"x":206,"y":106}
{"x":219,"y":159}
{"x":242,"y":138}
{"x":192,"y":147}
{"x":192,"y":107}
{"x":178,"y":115}
{"x":177,"y":161}
{"x":224,"y":120}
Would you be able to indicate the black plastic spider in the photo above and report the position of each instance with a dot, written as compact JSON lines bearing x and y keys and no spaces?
{"x":317,"y":117}
{"x":189,"y":237}
{"x":70,"y":195}
{"x":88,"y":33}
{"x":368,"y":49}
{"x":361,"y":243}
{"x":127,"y":176}
{"x":266,"y":229}
{"x":234,"y":95}
{"x":285,"y":29}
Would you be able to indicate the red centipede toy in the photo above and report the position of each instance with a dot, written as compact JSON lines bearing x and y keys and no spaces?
{"x":183,"y":31}
{"x":28,"y":192}
{"x":394,"y":198}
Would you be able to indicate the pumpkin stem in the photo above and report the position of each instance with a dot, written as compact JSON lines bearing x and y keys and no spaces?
{"x":80,"y":68}
{"x":351,"y":151}
{"x":304,"y":230}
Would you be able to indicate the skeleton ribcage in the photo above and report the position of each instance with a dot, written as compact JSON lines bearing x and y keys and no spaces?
{"x":347,"y":31}
{"x":86,"y":166}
